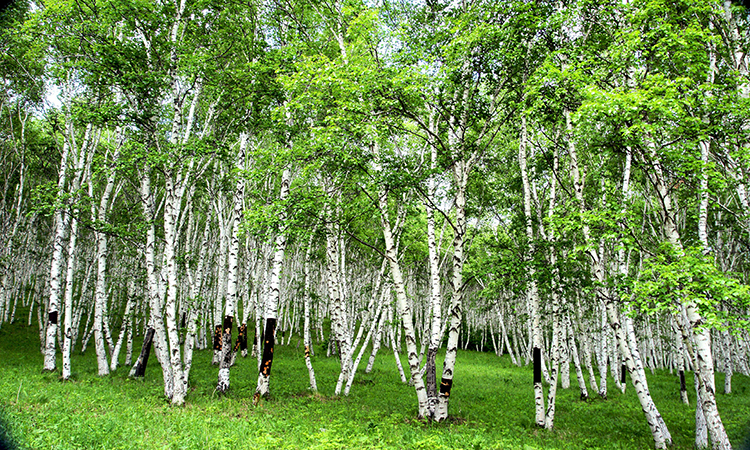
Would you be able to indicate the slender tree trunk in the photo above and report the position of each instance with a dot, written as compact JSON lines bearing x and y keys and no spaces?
{"x":557,"y":328}
{"x":81,"y":171}
{"x":532,"y":293}
{"x":576,"y":360}
{"x":68,"y":313}
{"x":126,"y":327}
{"x":306,"y":326}
{"x":154,"y":293}
{"x":435,"y":304}
{"x":219,"y":300}
{"x":61,"y":226}
{"x":227,"y":352}
{"x":272,"y":301}
{"x":100,"y":296}
{"x":371,"y":330}
{"x":339,"y":322}
{"x":378,"y":335}
{"x":460,"y":174}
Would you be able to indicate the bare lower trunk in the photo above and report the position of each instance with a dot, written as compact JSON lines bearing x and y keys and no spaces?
{"x":576,"y":360}
{"x":269,"y":341}
{"x":139,"y":368}
{"x":68,"y":321}
{"x":376,"y":341}
{"x":306,"y":326}
{"x":549,"y":417}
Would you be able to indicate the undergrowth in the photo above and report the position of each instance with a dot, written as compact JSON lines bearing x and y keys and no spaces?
{"x":492,"y":407}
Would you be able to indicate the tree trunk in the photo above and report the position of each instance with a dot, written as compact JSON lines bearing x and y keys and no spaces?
{"x":306,"y":326}
{"x":403,"y":305}
{"x":227,"y":352}
{"x":61,"y":226}
{"x":532,"y":293}
{"x":272,"y":301}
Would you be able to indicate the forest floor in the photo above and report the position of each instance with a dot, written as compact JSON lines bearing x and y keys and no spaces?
{"x":492,"y":406}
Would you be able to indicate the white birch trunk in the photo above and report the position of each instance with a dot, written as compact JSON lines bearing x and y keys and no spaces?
{"x":61,"y":225}
{"x":436,"y":300}
{"x":125,"y":328}
{"x":227,"y":352}
{"x":79,"y":175}
{"x":532,"y":292}
{"x":557,"y":329}
{"x":576,"y":360}
{"x":154,"y":292}
{"x":374,"y":321}
{"x":339,"y":321}
{"x":219,"y":300}
{"x":100,"y":296}
{"x":68,"y":312}
{"x":378,"y":336}
{"x":272,"y":301}
{"x":703,"y":358}
{"x":461,"y":171}
{"x":306,"y":327}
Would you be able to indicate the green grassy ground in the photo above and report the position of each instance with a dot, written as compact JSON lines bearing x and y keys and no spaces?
{"x":492,"y":407}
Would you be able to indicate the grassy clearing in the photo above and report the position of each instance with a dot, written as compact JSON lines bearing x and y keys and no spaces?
{"x":492,"y":407}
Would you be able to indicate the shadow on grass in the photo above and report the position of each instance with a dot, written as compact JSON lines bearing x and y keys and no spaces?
{"x":6,"y":434}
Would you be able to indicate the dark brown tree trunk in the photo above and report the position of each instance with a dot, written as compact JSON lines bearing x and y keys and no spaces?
{"x":267,"y":359}
{"x":139,"y":368}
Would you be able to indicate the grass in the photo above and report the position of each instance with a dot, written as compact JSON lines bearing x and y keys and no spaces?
{"x":492,"y":407}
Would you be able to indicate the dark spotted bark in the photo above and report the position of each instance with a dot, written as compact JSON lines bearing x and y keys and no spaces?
{"x":267,"y":359}
{"x":241,"y":344}
{"x":445,"y":387}
{"x":269,"y":341}
{"x":217,"y":338}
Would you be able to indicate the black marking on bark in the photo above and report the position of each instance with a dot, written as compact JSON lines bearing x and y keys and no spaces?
{"x":228,"y":321}
{"x":445,"y":386}
{"x":683,"y":387}
{"x":53,"y":317}
{"x":241,"y":343}
{"x":623,"y":370}
{"x":267,"y":360}
{"x":537,"y":365}
{"x":217,"y":338}
{"x":140,"y":369}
